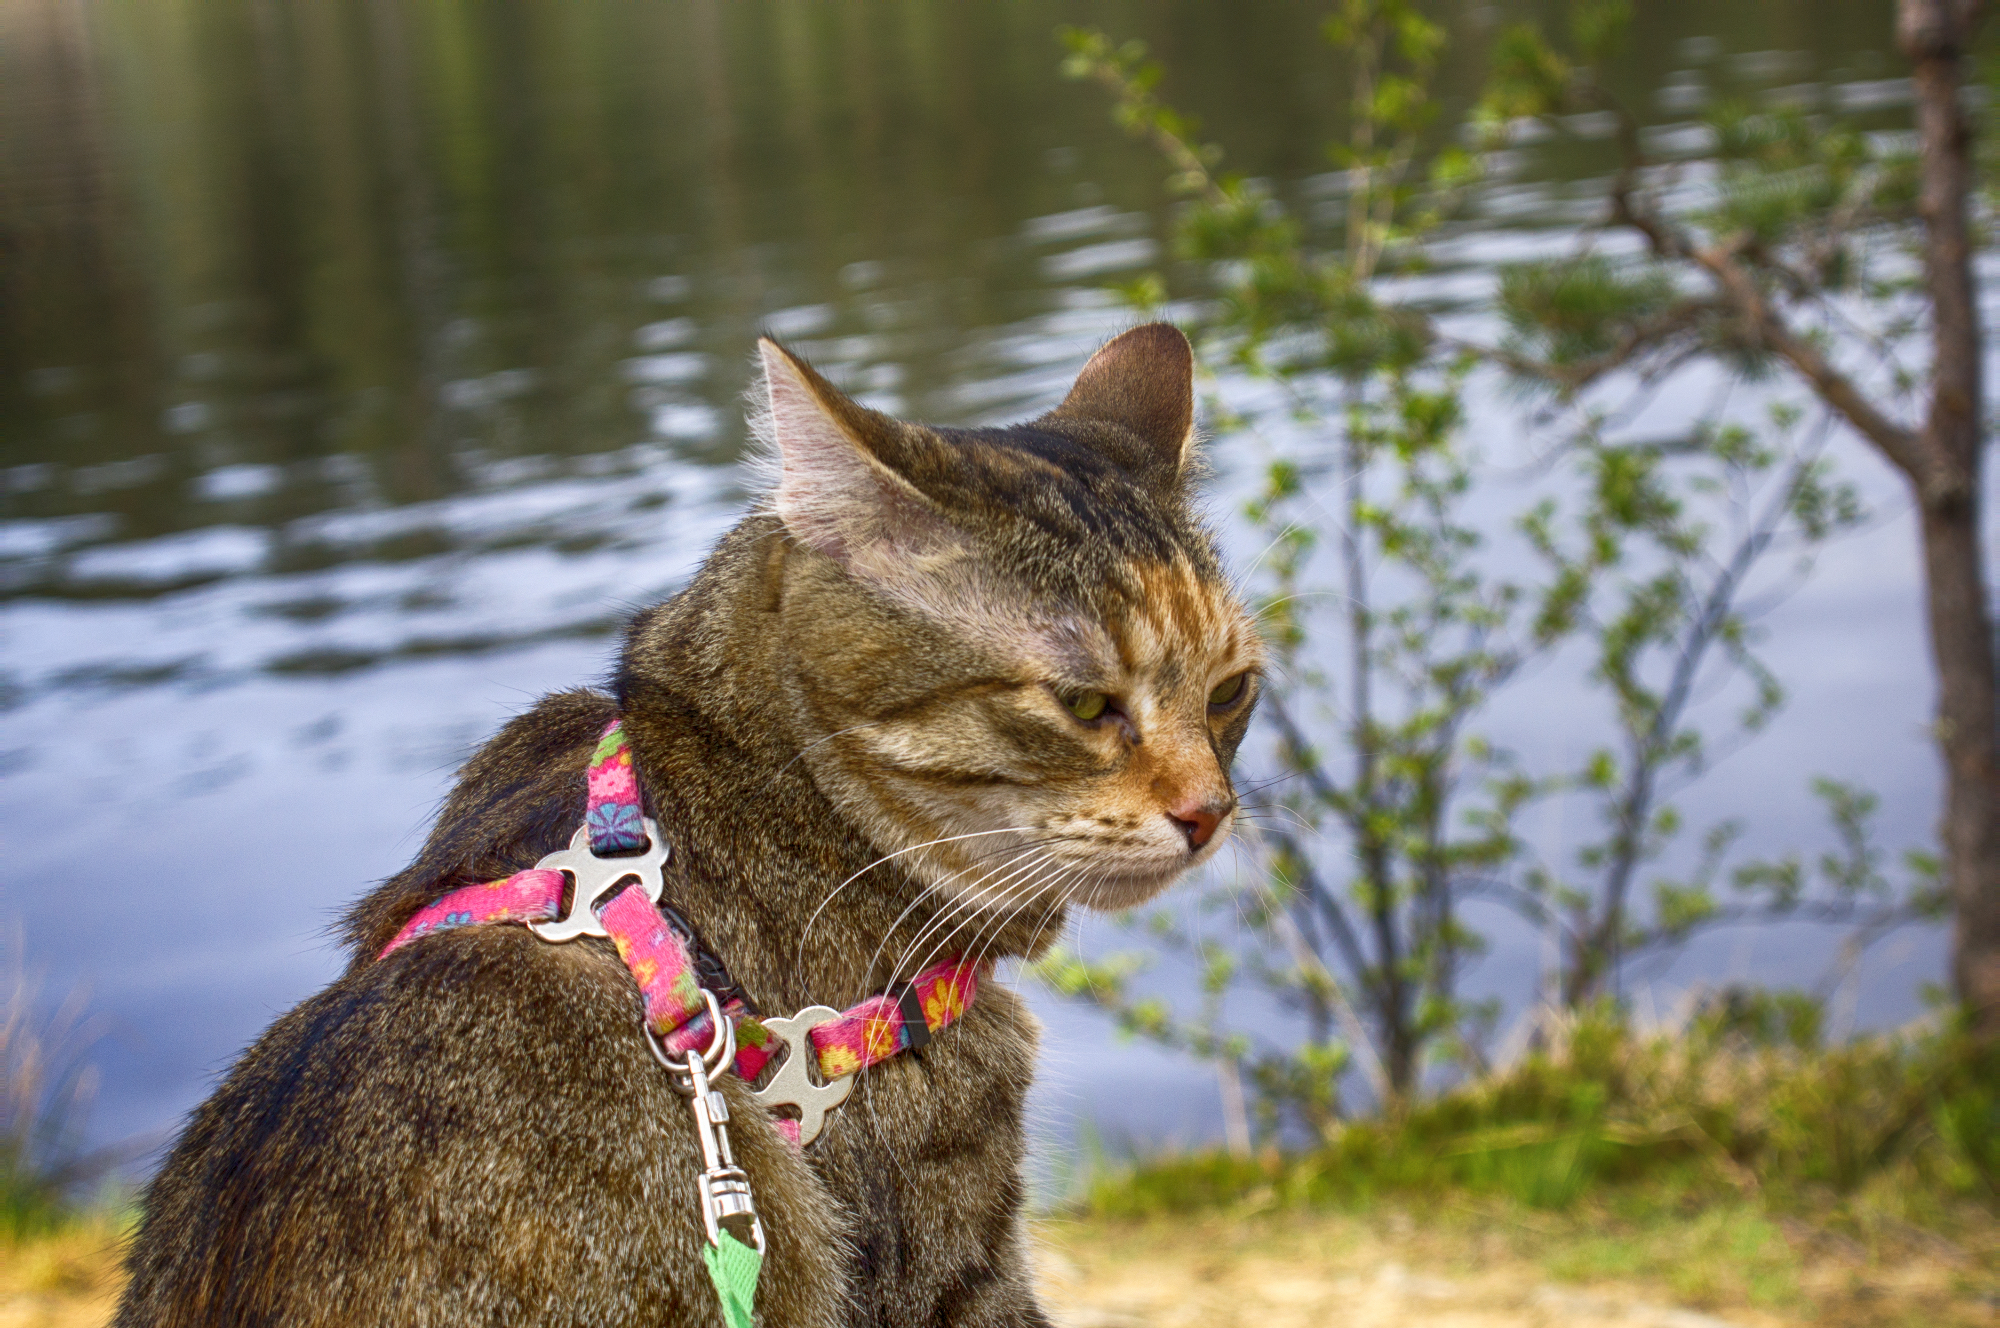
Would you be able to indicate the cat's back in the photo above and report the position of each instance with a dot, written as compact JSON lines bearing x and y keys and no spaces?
{"x":436,"y":1136}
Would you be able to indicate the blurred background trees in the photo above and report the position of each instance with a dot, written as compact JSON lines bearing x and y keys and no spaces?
{"x":1385,"y":810}
{"x":1847,"y":260}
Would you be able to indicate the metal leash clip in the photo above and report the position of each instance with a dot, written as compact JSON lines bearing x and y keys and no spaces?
{"x":726,"y":1204}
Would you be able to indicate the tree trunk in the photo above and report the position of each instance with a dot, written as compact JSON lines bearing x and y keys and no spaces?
{"x":1945,"y":471}
{"x":1962,"y":644}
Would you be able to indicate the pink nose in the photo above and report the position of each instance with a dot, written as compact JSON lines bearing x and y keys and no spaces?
{"x":1198,"y":820}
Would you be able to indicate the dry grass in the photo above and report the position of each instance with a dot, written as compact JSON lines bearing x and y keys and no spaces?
{"x":62,"y":1279}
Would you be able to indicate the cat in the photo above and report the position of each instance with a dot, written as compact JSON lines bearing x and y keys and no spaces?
{"x":939,"y":685}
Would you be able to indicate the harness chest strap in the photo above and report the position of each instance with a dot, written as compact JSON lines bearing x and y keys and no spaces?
{"x":662,"y":962}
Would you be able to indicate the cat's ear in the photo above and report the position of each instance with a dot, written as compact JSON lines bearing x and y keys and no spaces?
{"x":834,"y":492}
{"x":1143,"y":381}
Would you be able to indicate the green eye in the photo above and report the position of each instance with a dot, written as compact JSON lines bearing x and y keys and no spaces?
{"x":1227,"y":691}
{"x":1087,"y":705}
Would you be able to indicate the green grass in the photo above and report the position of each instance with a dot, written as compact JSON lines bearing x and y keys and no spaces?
{"x":1696,"y":1256}
{"x":1851,"y":1185}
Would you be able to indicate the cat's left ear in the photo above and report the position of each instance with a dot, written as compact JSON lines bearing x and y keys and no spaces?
{"x":1143,"y":382}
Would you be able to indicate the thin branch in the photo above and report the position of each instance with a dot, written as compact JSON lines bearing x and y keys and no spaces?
{"x":1578,"y":374}
{"x":1325,"y":902}
{"x":1273,"y":706}
{"x":1723,"y":262}
{"x":1358,"y":1039}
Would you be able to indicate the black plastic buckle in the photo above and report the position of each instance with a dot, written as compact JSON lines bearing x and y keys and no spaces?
{"x":709,"y":971}
{"x":913,"y":1016}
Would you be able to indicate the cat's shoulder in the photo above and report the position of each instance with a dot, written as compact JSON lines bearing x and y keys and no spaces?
{"x":519,"y":798}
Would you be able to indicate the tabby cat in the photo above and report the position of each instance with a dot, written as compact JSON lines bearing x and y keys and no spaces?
{"x":940,"y":685}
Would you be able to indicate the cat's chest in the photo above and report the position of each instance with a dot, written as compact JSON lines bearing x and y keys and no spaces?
{"x":926,"y":1155}
{"x":924,"y":1158}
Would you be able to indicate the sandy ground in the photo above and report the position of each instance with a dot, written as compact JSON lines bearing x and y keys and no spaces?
{"x":1382,"y":1270}
{"x":1393,"y":1271}
{"x":1278,"y":1281}
{"x":66,"y":1281}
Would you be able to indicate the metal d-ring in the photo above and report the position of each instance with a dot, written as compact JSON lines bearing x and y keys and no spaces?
{"x":721,"y":1050}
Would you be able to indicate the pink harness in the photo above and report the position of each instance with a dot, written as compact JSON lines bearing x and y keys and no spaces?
{"x":662,"y":961}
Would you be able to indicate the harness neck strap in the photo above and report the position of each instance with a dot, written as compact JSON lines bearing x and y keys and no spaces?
{"x":662,"y":959}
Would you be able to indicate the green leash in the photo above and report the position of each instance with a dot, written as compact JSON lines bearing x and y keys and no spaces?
{"x":733,"y":1267}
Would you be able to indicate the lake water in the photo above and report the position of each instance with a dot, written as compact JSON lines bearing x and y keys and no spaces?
{"x":362,"y":366}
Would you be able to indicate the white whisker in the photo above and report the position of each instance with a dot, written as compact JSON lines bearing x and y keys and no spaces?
{"x":1028,"y":891}
{"x":929,"y":922}
{"x":931,"y":843}
{"x":852,"y":728}
{"x":948,"y":917}
{"x":1054,"y":885}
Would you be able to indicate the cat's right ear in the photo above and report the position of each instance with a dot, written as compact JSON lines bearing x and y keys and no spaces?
{"x":1143,"y":382}
{"x":834,"y":493}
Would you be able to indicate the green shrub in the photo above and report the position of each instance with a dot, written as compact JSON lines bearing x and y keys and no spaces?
{"x":1744,"y":1103}
{"x":1965,"y":1117}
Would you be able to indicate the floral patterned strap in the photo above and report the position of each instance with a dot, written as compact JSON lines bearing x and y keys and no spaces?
{"x":612,"y":811}
{"x":663,"y":965}
{"x":872,"y":1031}
{"x":527,"y":896}
{"x":657,"y":955}
{"x":881,"y":1026}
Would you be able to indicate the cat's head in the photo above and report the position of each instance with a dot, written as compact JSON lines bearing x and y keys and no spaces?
{"x":1016,"y":659}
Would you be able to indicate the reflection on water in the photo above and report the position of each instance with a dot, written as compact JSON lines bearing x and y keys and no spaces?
{"x":360,"y":366}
